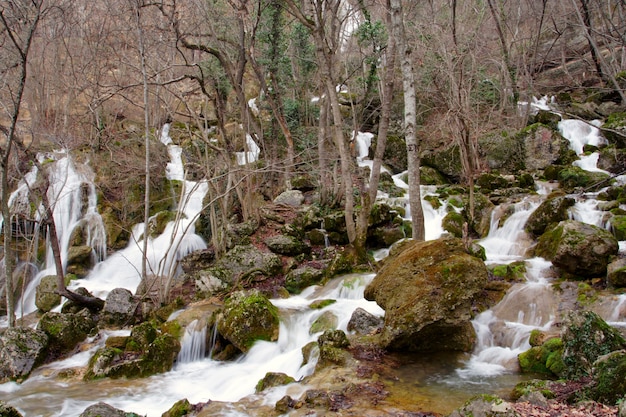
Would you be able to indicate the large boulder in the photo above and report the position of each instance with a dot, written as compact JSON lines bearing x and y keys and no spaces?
{"x":287,"y":245}
{"x":66,"y":330}
{"x":586,"y":337}
{"x":21,"y":350}
{"x":609,"y":374}
{"x":578,"y":248}
{"x":552,"y":210}
{"x":248,"y":317}
{"x":46,"y":295}
{"x":616,"y":273}
{"x":105,"y":410}
{"x":298,"y":279}
{"x":429,"y":292}
{"x":80,"y":260}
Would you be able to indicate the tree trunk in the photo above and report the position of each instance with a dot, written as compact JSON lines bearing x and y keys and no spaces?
{"x":410,"y":121}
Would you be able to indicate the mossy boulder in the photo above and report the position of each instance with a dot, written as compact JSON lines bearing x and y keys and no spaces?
{"x":609,"y":374}
{"x":287,"y":245}
{"x":326,"y":321}
{"x":573,"y":177}
{"x":544,"y":359}
{"x":552,"y":210}
{"x":248,"y":317}
{"x":247,"y":262}
{"x":616,"y":273}
{"x":618,"y":226}
{"x":273,"y":379}
{"x":578,"y":248}
{"x":385,"y":236}
{"x":22,"y":349}
{"x":80,"y":260}
{"x":453,"y":223}
{"x":614,"y":129}
{"x":179,"y":409}
{"x":105,"y":410}
{"x":66,"y":330}
{"x":586,"y":337}
{"x":46,"y":295}
{"x":485,"y":406}
{"x":8,"y":411}
{"x":445,"y":160}
{"x":332,"y":349}
{"x":430,"y":292}
{"x":364,"y":322}
{"x":298,"y":279}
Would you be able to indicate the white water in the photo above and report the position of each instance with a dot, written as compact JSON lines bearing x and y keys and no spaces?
{"x":123,"y":269}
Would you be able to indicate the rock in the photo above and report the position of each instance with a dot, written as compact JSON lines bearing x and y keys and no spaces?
{"x":485,"y":406}
{"x":453,"y":223}
{"x":298,"y":279}
{"x":46,"y":296}
{"x":551,"y":210}
{"x":273,"y":379}
{"x":384,"y":236}
{"x":430,"y":293}
{"x":8,"y":411}
{"x":609,"y":374}
{"x":326,"y":321}
{"x":248,"y":317}
{"x":179,"y":409}
{"x":21,"y":350}
{"x":105,"y":410}
{"x":293,"y":198}
{"x":618,"y":226}
{"x":332,"y":345}
{"x":445,"y":160}
{"x":586,"y":337}
{"x":198,"y":260}
{"x":578,"y":248}
{"x":287,"y":245}
{"x":544,"y":359}
{"x":120,"y":308}
{"x":616,"y":273}
{"x":66,"y":330}
{"x":364,"y":322}
{"x":80,"y":260}
{"x":573,"y":177}
{"x":245,"y":262}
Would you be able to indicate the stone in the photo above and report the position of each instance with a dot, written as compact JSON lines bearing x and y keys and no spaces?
{"x":429,"y":292}
{"x":120,"y":308}
{"x":298,"y":279}
{"x":8,"y":411}
{"x":616,"y":273}
{"x":609,"y":374}
{"x":273,"y":379}
{"x":364,"y":322}
{"x":66,"y":330}
{"x":326,"y":321}
{"x":22,"y":349}
{"x":586,"y":337}
{"x":80,"y":260}
{"x":293,"y":198}
{"x":551,"y":210}
{"x":578,"y":248}
{"x":46,"y":296}
{"x":287,"y":245}
{"x":105,"y":410}
{"x":248,"y":317}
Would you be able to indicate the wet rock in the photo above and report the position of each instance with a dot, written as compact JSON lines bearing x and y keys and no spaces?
{"x":544,"y":359}
{"x":609,"y":373}
{"x":578,"y":248}
{"x":46,"y":296}
{"x":430,"y":293}
{"x":384,"y":236}
{"x":326,"y":321}
{"x":552,"y":210}
{"x":120,"y":308}
{"x":332,"y":349}
{"x":287,"y":245}
{"x":198,"y":260}
{"x":21,"y":350}
{"x":66,"y":330}
{"x":247,"y":262}
{"x":248,"y":317}
{"x":616,"y":273}
{"x":105,"y":410}
{"x":298,"y":279}
{"x":485,"y":406}
{"x":618,"y":226}
{"x":293,"y":198}
{"x":8,"y":411}
{"x":573,"y":177}
{"x":273,"y":379}
{"x":586,"y":337}
{"x":80,"y":260}
{"x":364,"y":322}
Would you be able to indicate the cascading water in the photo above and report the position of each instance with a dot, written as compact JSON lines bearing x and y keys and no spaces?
{"x":123,"y":269}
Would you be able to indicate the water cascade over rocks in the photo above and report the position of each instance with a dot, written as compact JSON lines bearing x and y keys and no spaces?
{"x":502,"y":332}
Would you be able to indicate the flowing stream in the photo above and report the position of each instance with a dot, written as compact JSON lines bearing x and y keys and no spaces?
{"x":438,"y":382}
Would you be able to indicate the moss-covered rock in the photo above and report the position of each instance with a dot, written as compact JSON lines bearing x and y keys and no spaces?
{"x":120,"y":308}
{"x":544,"y":359}
{"x":445,"y":160}
{"x":273,"y":379}
{"x":8,"y":411}
{"x":287,"y":245}
{"x":618,"y":226}
{"x":552,"y":210}
{"x":66,"y":330}
{"x":453,"y":223}
{"x":609,"y":374}
{"x":616,"y":273}
{"x":429,"y":293}
{"x":80,"y":260}
{"x":298,"y":279}
{"x":22,"y":349}
{"x":248,"y":317}
{"x":332,"y":349}
{"x":573,"y":177}
{"x":578,"y":248}
{"x":614,"y":129}
{"x":586,"y":337}
{"x":46,"y":295}
{"x":105,"y":410}
{"x":326,"y":321}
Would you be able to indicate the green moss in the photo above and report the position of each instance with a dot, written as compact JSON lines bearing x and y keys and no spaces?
{"x":319,"y":304}
{"x":586,"y":294}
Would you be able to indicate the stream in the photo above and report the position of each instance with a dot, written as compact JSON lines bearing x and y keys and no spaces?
{"x":438,"y":382}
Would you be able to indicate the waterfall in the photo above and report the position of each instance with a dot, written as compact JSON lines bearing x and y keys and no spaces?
{"x":178,"y":239}
{"x":193,"y":344}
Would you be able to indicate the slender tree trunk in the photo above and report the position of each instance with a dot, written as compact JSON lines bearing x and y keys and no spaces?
{"x":410,"y":121}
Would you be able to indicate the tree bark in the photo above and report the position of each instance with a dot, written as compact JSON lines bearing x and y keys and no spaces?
{"x":410,"y":121}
